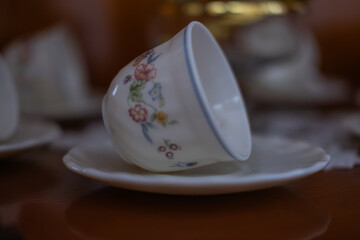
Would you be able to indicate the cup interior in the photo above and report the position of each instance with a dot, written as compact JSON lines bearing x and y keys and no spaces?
{"x":218,"y":92}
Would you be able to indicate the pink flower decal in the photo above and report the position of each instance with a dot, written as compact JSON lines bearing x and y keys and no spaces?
{"x":145,"y":72}
{"x":169,"y":155}
{"x":138,"y":60}
{"x":142,"y":57}
{"x":162,"y":149}
{"x":173,"y":146}
{"x":138,"y":113}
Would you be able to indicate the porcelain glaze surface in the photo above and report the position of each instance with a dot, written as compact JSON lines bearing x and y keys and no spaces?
{"x":178,"y":106}
{"x":273,"y":162}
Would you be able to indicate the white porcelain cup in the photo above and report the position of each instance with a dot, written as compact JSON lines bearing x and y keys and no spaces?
{"x":9,"y":107}
{"x":178,"y":106}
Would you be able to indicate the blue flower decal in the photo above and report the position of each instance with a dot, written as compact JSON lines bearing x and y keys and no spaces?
{"x":184,"y":164}
{"x":155,"y":92}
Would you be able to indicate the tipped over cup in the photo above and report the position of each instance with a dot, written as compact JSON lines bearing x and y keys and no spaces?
{"x":178,"y":106}
{"x":9,"y":106}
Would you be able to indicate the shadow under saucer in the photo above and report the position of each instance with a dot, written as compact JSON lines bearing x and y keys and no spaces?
{"x":280,"y":213}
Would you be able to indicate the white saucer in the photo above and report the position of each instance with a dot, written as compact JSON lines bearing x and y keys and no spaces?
{"x":30,"y":134}
{"x":273,"y":162}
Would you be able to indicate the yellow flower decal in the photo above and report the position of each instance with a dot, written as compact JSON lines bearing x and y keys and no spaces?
{"x":162,"y":117}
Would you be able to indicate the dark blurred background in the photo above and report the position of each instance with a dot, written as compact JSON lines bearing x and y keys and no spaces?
{"x":112,"y":32}
{"x":287,"y":53}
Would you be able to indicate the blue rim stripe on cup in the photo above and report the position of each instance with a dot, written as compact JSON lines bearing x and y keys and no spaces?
{"x":202,"y":105}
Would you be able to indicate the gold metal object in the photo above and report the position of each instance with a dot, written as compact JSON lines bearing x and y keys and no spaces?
{"x":221,"y":17}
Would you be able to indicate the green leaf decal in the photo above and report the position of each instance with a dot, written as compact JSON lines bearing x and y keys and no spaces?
{"x":161,"y":102}
{"x":136,"y":96}
{"x":137,"y":86}
{"x":166,"y":142}
{"x":172,"y":122}
{"x":153,"y":117}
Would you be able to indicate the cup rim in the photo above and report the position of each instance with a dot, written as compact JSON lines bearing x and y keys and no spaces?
{"x":201,"y":95}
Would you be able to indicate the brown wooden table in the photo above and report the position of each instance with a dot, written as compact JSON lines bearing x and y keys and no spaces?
{"x":41,"y":199}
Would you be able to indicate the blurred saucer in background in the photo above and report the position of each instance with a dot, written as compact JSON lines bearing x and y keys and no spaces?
{"x":30,"y":134}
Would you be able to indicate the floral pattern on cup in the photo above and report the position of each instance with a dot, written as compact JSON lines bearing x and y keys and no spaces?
{"x":169,"y":148}
{"x":146,"y":113}
{"x":138,"y":113}
{"x":145,"y":72}
{"x":139,"y":59}
{"x":156,"y":94}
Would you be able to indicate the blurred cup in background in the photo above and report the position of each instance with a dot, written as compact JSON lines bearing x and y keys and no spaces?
{"x":50,"y":74}
{"x":9,"y":108}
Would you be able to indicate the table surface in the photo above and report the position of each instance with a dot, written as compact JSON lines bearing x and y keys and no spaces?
{"x":41,"y":199}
